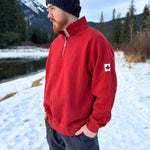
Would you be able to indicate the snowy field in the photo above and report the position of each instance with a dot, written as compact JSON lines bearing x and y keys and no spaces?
{"x":21,"y":116}
{"x":24,"y":52}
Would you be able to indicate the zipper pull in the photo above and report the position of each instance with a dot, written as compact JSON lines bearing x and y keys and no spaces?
{"x":64,"y":48}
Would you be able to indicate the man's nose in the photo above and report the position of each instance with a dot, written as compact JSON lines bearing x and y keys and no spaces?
{"x":49,"y":15}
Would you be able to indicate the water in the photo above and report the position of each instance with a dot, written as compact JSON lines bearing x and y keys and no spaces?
{"x":13,"y":67}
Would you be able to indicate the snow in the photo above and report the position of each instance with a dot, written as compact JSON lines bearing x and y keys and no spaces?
{"x":129,"y":128}
{"x":40,"y":9}
{"x":22,"y":126}
{"x":24,"y":52}
{"x":34,"y":5}
{"x":31,"y":5}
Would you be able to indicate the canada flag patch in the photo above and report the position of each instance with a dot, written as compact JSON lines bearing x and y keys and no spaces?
{"x":107,"y":67}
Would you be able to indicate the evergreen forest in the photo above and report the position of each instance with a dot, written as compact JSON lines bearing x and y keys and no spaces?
{"x":125,"y":34}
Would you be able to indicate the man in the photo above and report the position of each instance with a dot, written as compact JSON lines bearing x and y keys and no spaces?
{"x":80,"y":82}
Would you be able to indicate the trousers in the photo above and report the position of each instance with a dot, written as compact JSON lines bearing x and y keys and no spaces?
{"x":58,"y":141}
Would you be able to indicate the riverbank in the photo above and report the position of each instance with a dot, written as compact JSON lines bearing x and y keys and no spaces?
{"x":21,"y":60}
{"x":24,"y":52}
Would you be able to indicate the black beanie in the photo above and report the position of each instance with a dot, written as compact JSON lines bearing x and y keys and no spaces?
{"x":70,"y":6}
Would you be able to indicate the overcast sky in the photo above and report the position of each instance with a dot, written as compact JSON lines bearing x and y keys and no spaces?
{"x":92,"y":8}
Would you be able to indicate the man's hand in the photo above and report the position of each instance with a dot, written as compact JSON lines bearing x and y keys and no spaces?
{"x":45,"y":116}
{"x":86,"y":131}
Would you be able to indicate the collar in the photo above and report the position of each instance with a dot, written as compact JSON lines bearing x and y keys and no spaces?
{"x":76,"y":27}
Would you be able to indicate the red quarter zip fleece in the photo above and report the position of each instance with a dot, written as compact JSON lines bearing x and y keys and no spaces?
{"x":81,"y":81}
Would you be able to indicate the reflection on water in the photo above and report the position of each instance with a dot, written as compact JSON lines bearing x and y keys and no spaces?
{"x":19,"y":66}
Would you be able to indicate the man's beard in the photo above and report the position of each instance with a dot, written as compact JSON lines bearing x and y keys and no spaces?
{"x":59,"y":26}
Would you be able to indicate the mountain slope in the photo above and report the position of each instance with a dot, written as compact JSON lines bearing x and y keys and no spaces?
{"x":108,"y":23}
{"x":34,"y":5}
{"x":36,"y":13}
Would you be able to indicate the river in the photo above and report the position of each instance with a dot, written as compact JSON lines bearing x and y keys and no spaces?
{"x":13,"y":67}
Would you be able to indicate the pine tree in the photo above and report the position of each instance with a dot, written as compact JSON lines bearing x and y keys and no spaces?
{"x":118,"y":29}
{"x":2,"y":15}
{"x":20,"y":23}
{"x":12,"y":25}
{"x":28,"y":31}
{"x":148,"y":17}
{"x":44,"y":36}
{"x":145,"y":18}
{"x":112,"y":29}
{"x":148,"y":21}
{"x":11,"y":15}
{"x":114,"y":35}
{"x":102,"y":26}
{"x":133,"y":25}
{"x":125,"y":29}
{"x":52,"y":36}
{"x":39,"y":36}
{"x":35,"y":35}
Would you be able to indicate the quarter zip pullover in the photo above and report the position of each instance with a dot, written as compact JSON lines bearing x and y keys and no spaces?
{"x":80,"y":88}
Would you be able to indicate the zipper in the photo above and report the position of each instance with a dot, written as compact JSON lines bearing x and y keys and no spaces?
{"x":64,"y":47}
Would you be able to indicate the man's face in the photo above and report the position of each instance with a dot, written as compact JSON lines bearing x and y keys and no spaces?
{"x":58,"y":17}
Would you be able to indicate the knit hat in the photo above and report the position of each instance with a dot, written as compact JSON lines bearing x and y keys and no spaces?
{"x":70,"y":6}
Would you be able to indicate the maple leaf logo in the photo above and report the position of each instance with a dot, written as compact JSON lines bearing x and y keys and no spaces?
{"x":107,"y":67}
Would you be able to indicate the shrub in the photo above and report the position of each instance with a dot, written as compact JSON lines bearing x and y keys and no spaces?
{"x":139,"y":49}
{"x":9,"y":39}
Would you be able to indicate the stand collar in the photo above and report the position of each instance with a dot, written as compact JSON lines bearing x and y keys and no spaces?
{"x":76,"y":27}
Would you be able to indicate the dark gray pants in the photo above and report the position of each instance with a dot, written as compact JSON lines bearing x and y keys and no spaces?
{"x":57,"y":141}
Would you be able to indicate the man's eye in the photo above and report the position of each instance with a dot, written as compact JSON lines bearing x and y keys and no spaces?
{"x":52,"y":8}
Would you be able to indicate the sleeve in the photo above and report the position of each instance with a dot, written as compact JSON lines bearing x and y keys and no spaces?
{"x":101,"y":66}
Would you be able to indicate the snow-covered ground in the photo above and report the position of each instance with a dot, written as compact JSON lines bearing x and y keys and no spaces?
{"x":24,"y":52}
{"x":21,"y":116}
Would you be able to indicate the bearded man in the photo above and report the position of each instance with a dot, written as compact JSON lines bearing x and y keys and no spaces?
{"x":81,"y":82}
